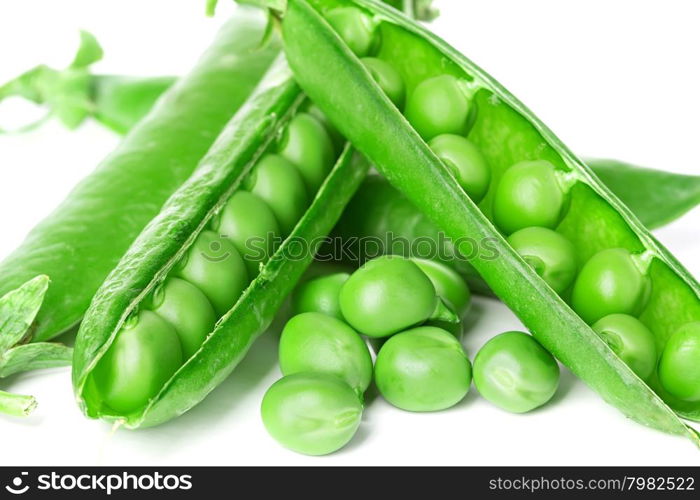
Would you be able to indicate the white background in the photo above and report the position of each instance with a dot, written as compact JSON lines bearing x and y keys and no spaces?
{"x":612,"y":79}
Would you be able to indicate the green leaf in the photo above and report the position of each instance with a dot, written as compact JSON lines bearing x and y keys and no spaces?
{"x":89,"y":51}
{"x":34,"y":356}
{"x":16,"y":405}
{"x":656,"y":197}
{"x":66,"y":93}
{"x":18,"y":309}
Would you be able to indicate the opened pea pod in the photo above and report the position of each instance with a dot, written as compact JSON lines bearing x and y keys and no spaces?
{"x":534,"y":181}
{"x":210,"y":271}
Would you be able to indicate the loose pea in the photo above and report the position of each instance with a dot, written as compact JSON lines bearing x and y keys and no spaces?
{"x":438,"y":106}
{"x":514,"y":372}
{"x":355,"y":28}
{"x":279,"y":184}
{"x":311,"y":413}
{"x":215,"y":267}
{"x":679,"y":368}
{"x":610,"y":282}
{"x":423,"y":369}
{"x":466,"y":163}
{"x":314,"y":342}
{"x":528,"y":195}
{"x":631,"y":340}
{"x":388,"y":79}
{"x":448,"y":284}
{"x":386,"y":295}
{"x":320,"y":295}
{"x":550,"y":254}
{"x":144,"y":355}
{"x":187,"y":309}
{"x":252,"y":228}
{"x":308,"y":146}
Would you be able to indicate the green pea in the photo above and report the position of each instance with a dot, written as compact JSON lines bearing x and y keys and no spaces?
{"x":311,"y":413}
{"x":355,"y":28}
{"x":514,"y":372}
{"x":314,"y":342}
{"x":251,"y":226}
{"x":336,"y":138}
{"x":423,"y":369}
{"x":550,"y":254}
{"x":388,"y":79}
{"x":528,"y":195}
{"x":679,"y":368}
{"x":449,"y":285}
{"x":187,"y":309}
{"x":308,"y":146}
{"x":631,"y":340}
{"x":466,"y":163}
{"x":610,"y":282}
{"x":438,"y":106}
{"x":320,"y":295}
{"x":279,"y":184}
{"x":386,"y":295}
{"x":144,"y":355}
{"x":215,"y":267}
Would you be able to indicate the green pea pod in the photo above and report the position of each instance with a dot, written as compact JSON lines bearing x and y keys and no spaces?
{"x":84,"y":238}
{"x":119,"y":102}
{"x":505,"y":132}
{"x":168,"y":238}
{"x":380,"y":219}
{"x":656,"y":197}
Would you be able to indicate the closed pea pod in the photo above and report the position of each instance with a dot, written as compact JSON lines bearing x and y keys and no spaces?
{"x":679,"y":367}
{"x":279,"y":184}
{"x":549,"y":253}
{"x":187,"y":309}
{"x":314,"y":342}
{"x":143,"y":356}
{"x":514,"y":372}
{"x":320,"y":295}
{"x":215,"y":267}
{"x":423,"y":369}
{"x":311,"y":413}
{"x":251,"y":226}
{"x":466,"y":163}
{"x":308,"y":146}
{"x":631,"y":340}
{"x":529,"y":194}
{"x":610,"y":282}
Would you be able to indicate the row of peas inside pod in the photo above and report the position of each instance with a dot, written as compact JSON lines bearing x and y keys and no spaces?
{"x":411,"y":310}
{"x":528,"y":202}
{"x":220,"y":264}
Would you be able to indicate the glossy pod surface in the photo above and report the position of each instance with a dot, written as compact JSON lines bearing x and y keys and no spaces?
{"x":535,"y":182}
{"x":215,"y":246}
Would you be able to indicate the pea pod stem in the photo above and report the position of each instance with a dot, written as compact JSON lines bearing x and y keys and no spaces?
{"x":16,"y":405}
